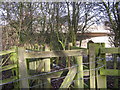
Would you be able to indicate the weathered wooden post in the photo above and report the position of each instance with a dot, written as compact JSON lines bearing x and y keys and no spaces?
{"x":23,"y":74}
{"x":79,"y":83}
{"x":91,"y":52}
{"x":101,"y":80}
{"x":68,"y":58}
{"x":47,"y":68}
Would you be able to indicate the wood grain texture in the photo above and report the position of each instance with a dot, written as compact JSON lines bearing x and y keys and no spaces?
{"x":62,"y":53}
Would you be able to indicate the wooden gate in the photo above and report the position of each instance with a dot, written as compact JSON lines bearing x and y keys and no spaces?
{"x":39,"y":74}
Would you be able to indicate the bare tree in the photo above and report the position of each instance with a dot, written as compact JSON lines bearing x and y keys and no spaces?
{"x":112,"y":12}
{"x":49,"y":22}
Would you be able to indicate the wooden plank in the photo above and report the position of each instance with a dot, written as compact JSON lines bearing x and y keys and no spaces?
{"x":110,"y":72}
{"x":68,"y":59}
{"x":92,"y":65}
{"x":62,"y":53}
{"x":32,"y":66}
{"x":47,"y":68}
{"x":22,"y":68}
{"x":40,"y":66}
{"x":79,"y":83}
{"x":115,"y":50}
{"x":7,"y":52}
{"x":100,"y":79}
{"x":4,"y":68}
{"x":13,"y":78}
{"x":86,"y":73}
{"x":69,"y":78}
{"x":74,"y":47}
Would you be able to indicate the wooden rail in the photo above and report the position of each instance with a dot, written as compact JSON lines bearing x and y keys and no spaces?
{"x":8,"y":67}
{"x":7,"y":52}
{"x":115,"y":50}
{"x":111,"y":72}
{"x":62,"y":53}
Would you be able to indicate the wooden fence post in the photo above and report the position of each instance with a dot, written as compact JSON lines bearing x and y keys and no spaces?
{"x":22,"y":68}
{"x":91,"y":52}
{"x":101,"y":80}
{"x":47,"y":68}
{"x":68,"y":58}
{"x":79,"y":83}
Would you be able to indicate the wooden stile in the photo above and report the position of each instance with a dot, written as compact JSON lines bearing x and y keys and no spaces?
{"x":42,"y":63}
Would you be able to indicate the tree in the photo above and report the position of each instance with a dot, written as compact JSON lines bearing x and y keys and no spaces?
{"x":112,"y":11}
{"x":81,"y":18}
{"x":54,"y":23}
{"x":19,"y":18}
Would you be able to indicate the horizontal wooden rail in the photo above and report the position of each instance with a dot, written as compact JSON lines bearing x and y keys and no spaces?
{"x":110,"y":50}
{"x":7,"y":52}
{"x":111,"y":72}
{"x":74,"y":47}
{"x":4,"y":68}
{"x":9,"y":79}
{"x":62,"y":53}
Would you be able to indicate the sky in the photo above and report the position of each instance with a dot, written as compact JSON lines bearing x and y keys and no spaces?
{"x":56,"y":0}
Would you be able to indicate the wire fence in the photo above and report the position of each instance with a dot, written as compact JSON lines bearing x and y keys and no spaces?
{"x":70,"y":75}
{"x":97,"y":61}
{"x":29,"y":77}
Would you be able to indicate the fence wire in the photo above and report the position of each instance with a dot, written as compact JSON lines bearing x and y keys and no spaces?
{"x":57,"y":71}
{"x":70,"y":75}
{"x":40,"y":75}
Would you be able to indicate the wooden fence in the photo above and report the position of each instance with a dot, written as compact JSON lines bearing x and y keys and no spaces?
{"x":35,"y":67}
